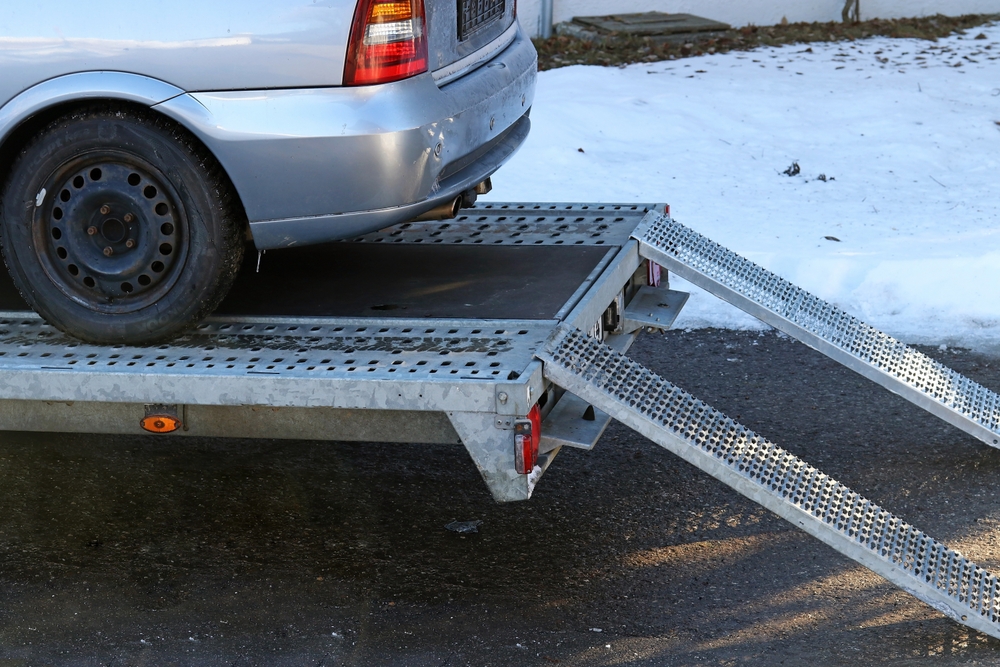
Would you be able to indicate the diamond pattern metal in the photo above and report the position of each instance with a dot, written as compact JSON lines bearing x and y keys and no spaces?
{"x":825,"y":327}
{"x":773,"y":477}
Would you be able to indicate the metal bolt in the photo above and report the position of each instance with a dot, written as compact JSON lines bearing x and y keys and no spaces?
{"x":108,"y":251}
{"x":129,"y":218}
{"x":91,"y":230}
{"x":130,"y":243}
{"x":502,"y":397}
{"x":438,"y":149}
{"x":105,"y":209}
{"x":493,"y":121}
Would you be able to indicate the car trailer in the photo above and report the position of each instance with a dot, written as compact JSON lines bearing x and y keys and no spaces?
{"x":505,"y":330}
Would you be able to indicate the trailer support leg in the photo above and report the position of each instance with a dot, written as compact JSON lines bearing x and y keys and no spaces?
{"x":489,"y":438}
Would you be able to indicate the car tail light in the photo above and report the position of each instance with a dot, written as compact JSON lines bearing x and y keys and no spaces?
{"x":388,"y":42}
{"x":527,"y":433}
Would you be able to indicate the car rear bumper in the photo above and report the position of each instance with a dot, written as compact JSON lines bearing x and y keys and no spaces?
{"x":314,"y":165}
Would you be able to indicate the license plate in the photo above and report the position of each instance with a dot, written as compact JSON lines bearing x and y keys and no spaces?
{"x":474,"y":15}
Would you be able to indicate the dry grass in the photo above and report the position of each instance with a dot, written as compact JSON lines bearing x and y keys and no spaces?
{"x":617,"y":49}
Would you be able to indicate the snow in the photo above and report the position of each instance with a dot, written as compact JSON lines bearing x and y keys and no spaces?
{"x":906,"y":132}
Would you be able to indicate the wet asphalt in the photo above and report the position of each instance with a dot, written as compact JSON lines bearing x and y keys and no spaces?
{"x":153,"y":551}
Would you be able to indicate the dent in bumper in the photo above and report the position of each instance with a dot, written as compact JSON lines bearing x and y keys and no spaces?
{"x":343,"y":154}
{"x":290,"y":232}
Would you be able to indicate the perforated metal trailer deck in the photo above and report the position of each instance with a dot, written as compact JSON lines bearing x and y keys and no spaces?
{"x":504,"y":330}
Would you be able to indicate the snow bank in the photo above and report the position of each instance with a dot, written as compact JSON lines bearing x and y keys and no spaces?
{"x":906,"y":133}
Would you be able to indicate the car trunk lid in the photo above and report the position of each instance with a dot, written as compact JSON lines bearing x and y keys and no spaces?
{"x":458,"y":29}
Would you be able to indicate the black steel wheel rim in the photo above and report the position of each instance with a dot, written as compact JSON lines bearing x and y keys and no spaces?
{"x":110,"y":231}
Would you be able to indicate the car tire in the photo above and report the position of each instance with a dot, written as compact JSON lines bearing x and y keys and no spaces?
{"x":118,"y":227}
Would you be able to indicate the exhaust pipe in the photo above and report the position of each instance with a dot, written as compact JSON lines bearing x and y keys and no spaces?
{"x":446,"y":211}
{"x":449,"y":210}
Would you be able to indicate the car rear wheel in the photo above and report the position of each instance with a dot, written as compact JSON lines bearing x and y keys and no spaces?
{"x":118,"y":227}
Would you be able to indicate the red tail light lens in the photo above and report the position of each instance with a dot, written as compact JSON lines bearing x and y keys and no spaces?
{"x":527,"y":434}
{"x":388,"y":42}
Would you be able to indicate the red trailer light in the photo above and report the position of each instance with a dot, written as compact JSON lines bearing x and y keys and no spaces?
{"x":527,"y":433}
{"x":652,"y":274}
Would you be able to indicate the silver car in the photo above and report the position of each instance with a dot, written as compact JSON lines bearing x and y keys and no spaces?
{"x":141,"y":144}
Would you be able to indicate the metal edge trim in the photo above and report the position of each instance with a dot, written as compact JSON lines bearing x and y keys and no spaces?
{"x":594,"y":303}
{"x":459,"y":68}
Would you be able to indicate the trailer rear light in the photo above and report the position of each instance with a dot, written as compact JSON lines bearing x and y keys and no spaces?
{"x":653,"y":274}
{"x":527,"y":433}
{"x":388,"y":42}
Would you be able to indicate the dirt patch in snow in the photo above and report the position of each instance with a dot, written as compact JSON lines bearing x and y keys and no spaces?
{"x":561,"y":51}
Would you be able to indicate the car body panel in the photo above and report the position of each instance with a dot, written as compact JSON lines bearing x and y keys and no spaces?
{"x":84,"y":86}
{"x":258,"y":82}
{"x":191,"y":44}
{"x":291,"y":153}
{"x":287,"y":233}
{"x":442,"y":37}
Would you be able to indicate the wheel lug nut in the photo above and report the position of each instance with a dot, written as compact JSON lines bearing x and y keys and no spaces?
{"x":105,"y":209}
{"x":130,"y":243}
{"x":129,"y":218}
{"x":108,"y":251}
{"x":91,"y":230}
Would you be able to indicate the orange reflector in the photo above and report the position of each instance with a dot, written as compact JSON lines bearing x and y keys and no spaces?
{"x":385,"y":12}
{"x":160,"y":423}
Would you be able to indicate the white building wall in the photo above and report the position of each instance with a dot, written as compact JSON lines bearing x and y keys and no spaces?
{"x":757,"y":12}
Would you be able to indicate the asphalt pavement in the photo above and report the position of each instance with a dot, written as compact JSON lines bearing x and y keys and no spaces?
{"x":156,"y":551}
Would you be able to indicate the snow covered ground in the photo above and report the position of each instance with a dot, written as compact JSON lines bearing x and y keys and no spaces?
{"x":906,"y":133}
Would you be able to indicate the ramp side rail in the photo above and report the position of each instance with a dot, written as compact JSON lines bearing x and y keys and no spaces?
{"x":943,"y":392}
{"x":774,"y":478}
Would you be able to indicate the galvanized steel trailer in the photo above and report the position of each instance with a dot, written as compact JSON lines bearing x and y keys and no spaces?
{"x":423,"y":333}
{"x":504,"y":330}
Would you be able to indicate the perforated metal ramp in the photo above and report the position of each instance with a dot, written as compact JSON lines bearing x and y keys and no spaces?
{"x":772,"y":477}
{"x":822,"y":326}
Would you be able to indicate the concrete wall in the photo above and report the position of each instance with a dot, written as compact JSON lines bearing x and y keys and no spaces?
{"x":757,"y":12}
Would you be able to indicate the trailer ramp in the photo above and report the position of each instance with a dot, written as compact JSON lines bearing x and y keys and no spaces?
{"x":774,"y":478}
{"x":822,"y":326}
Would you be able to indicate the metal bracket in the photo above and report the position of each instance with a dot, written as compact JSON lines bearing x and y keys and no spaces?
{"x":505,"y":422}
{"x":517,"y":397}
{"x":653,"y":307}
{"x":573,"y":422}
{"x":492,"y":450}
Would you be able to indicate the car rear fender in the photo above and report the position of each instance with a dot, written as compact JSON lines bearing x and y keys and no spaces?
{"x":79,"y":87}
